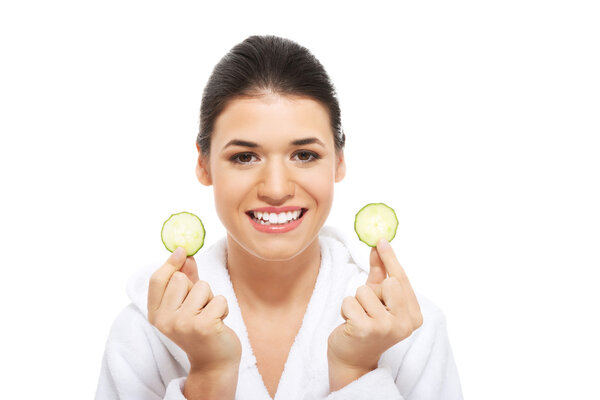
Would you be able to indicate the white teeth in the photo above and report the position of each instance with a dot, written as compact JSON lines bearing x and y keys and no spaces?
{"x":283,"y":218}
{"x":273,"y":218}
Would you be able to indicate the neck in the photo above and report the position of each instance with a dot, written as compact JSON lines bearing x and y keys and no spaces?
{"x":273,"y":285}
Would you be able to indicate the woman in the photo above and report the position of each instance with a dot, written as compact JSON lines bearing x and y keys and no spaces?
{"x":279,"y":308}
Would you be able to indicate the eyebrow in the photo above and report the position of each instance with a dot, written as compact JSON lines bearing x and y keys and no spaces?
{"x":297,"y":142}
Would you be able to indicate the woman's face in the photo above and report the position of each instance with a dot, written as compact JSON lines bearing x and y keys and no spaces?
{"x":272,"y":157}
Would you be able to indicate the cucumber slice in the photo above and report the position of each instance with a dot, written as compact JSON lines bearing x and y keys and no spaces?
{"x":375,"y":221}
{"x":185,"y":230}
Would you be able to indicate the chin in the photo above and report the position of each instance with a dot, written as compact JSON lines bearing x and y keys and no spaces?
{"x":275,"y":254}
{"x":276,"y":249}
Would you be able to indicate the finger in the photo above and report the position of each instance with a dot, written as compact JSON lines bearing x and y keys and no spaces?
{"x":376,"y":289}
{"x":176,"y":291}
{"x":394,"y":297}
{"x":403,"y":305}
{"x":217,"y":308}
{"x":392,"y":266}
{"x":370,"y":302}
{"x":377,"y":271}
{"x":197,"y":298}
{"x":416,"y":315}
{"x":352,"y":310}
{"x":395,"y":269}
{"x":160,"y":278}
{"x":190,"y":268}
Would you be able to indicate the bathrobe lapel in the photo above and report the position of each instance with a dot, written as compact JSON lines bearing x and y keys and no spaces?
{"x":307,"y":361}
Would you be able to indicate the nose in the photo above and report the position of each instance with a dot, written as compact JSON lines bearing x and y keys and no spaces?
{"x":276,"y":185}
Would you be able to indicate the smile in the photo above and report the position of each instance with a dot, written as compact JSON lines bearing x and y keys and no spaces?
{"x":272,"y":222}
{"x":267,"y":218}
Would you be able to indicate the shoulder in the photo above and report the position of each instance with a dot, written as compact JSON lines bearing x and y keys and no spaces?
{"x":130,"y":348}
{"x":133,"y":336}
{"x":130,"y":329}
{"x":136,"y":363}
{"x":136,"y":342}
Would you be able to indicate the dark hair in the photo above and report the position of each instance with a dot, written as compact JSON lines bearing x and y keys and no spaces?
{"x":267,"y":63}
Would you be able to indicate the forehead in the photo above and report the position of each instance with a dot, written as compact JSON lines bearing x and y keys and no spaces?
{"x":272,"y":118}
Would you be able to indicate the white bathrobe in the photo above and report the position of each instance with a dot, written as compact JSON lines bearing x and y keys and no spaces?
{"x":141,"y":363}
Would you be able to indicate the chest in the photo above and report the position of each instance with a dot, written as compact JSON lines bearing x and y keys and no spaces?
{"x":271,"y":341}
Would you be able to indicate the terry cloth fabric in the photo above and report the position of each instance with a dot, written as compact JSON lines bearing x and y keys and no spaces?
{"x":141,"y":363}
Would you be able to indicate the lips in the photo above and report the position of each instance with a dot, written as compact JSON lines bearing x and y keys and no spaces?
{"x":264,"y":211}
{"x":288,"y":224}
{"x":276,"y":210}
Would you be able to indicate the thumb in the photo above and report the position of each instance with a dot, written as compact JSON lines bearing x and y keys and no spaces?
{"x":377,"y":273}
{"x":190,"y":269}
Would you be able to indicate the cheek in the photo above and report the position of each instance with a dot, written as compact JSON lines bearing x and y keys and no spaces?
{"x":229,"y":189}
{"x":319,"y":184}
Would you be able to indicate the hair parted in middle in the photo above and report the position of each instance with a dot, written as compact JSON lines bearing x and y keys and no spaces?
{"x":267,"y":64}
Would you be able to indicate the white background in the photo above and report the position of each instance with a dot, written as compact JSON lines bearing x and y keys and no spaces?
{"x":477,"y":121}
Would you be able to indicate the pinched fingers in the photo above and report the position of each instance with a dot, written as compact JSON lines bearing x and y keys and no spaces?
{"x":205,"y":322}
{"x":370,"y":302}
{"x":393,"y":267}
{"x":190,"y":268}
{"x":402,"y":304}
{"x":352,"y":310}
{"x":177,"y":289}
{"x":394,"y":296}
{"x":388,"y":257}
{"x":161,"y":277}
{"x":197,"y":298}
{"x":376,"y":288}
{"x":377,"y":271}
{"x":217,"y":308}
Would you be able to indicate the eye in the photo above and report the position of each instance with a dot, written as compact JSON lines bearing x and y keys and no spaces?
{"x":306,"y":156}
{"x":242,"y":158}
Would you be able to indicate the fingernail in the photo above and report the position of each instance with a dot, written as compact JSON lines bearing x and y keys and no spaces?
{"x":178,"y":252}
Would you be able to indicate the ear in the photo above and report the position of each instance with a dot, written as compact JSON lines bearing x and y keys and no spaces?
{"x":202,"y":169}
{"x":340,"y":169}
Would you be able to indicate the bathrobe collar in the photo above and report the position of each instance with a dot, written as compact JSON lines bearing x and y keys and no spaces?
{"x":335,"y":247}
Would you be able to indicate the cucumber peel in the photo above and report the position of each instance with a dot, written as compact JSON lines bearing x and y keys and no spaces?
{"x":375,"y":221}
{"x":185,"y":230}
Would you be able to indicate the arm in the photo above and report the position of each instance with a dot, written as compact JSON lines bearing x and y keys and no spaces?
{"x":129,"y":365}
{"x":205,"y":385}
{"x":137,"y":365}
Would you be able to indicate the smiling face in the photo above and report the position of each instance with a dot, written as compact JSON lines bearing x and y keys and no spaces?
{"x":273,"y":165}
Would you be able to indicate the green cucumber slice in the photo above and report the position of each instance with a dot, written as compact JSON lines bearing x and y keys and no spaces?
{"x":375,"y":221}
{"x":185,"y":230}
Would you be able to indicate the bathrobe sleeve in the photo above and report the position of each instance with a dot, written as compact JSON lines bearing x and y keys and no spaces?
{"x":135,"y":365}
{"x":426,"y":371}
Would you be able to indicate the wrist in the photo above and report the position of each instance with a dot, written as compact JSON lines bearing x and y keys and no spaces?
{"x":341,"y":374}
{"x":214,"y":383}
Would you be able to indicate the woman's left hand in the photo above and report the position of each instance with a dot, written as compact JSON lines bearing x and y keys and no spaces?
{"x":384,"y":312}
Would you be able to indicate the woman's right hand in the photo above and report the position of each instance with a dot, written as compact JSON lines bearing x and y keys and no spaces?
{"x":184,"y":309}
